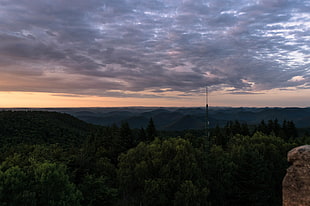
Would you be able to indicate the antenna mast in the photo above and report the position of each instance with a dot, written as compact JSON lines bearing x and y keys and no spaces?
{"x":207,"y":113}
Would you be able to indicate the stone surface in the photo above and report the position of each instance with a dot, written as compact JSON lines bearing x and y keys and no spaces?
{"x":296,"y":183}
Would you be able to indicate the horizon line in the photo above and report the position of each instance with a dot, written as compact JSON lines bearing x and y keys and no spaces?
{"x":96,"y":107}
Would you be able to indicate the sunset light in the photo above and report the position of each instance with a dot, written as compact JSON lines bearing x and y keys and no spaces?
{"x":155,"y":53}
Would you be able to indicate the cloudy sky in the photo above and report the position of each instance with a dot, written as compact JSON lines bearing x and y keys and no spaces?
{"x":154,"y":52}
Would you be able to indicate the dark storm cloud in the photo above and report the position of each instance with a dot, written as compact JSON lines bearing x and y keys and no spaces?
{"x":109,"y":48}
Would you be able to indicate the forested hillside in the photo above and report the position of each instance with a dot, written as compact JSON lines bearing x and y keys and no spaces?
{"x":41,"y":127}
{"x":50,"y":158}
{"x":176,"y":118}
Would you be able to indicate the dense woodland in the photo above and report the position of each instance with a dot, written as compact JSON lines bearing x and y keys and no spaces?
{"x":50,"y":158}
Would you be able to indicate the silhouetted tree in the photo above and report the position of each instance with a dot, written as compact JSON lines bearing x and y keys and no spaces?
{"x":126,"y":136}
{"x":151,"y":131}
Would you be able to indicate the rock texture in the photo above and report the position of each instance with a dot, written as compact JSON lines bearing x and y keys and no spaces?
{"x":296,"y":183}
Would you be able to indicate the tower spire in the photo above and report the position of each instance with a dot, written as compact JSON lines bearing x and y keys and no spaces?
{"x":207,"y":113}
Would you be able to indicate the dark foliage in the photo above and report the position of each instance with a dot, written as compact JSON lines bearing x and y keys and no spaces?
{"x":36,"y":127}
{"x":50,"y":158}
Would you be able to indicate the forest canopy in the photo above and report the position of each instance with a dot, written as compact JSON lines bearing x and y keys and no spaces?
{"x":50,"y":158}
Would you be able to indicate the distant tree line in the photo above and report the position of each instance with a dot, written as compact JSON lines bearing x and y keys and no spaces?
{"x":287,"y":130}
{"x":50,"y":158}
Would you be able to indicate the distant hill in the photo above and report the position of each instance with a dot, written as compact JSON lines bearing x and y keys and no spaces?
{"x":169,"y":118}
{"x":36,"y":127}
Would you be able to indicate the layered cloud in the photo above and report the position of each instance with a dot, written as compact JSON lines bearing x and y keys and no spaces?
{"x":136,"y":47}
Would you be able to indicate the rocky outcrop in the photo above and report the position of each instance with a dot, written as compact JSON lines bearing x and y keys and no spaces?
{"x":296,"y":183}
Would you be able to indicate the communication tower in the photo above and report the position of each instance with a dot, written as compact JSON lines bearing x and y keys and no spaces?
{"x":207,"y":114}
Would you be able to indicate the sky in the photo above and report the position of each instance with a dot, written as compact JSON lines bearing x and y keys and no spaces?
{"x":105,"y":53}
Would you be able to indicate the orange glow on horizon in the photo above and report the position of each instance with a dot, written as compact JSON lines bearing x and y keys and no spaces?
{"x":273,"y":98}
{"x":45,"y":100}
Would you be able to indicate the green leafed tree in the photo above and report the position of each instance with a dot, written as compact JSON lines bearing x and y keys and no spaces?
{"x":220,"y":173}
{"x":260,"y":168}
{"x":163,"y":172}
{"x":15,"y":188}
{"x":36,"y":184}
{"x":96,"y":192}
{"x":53,"y":187}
